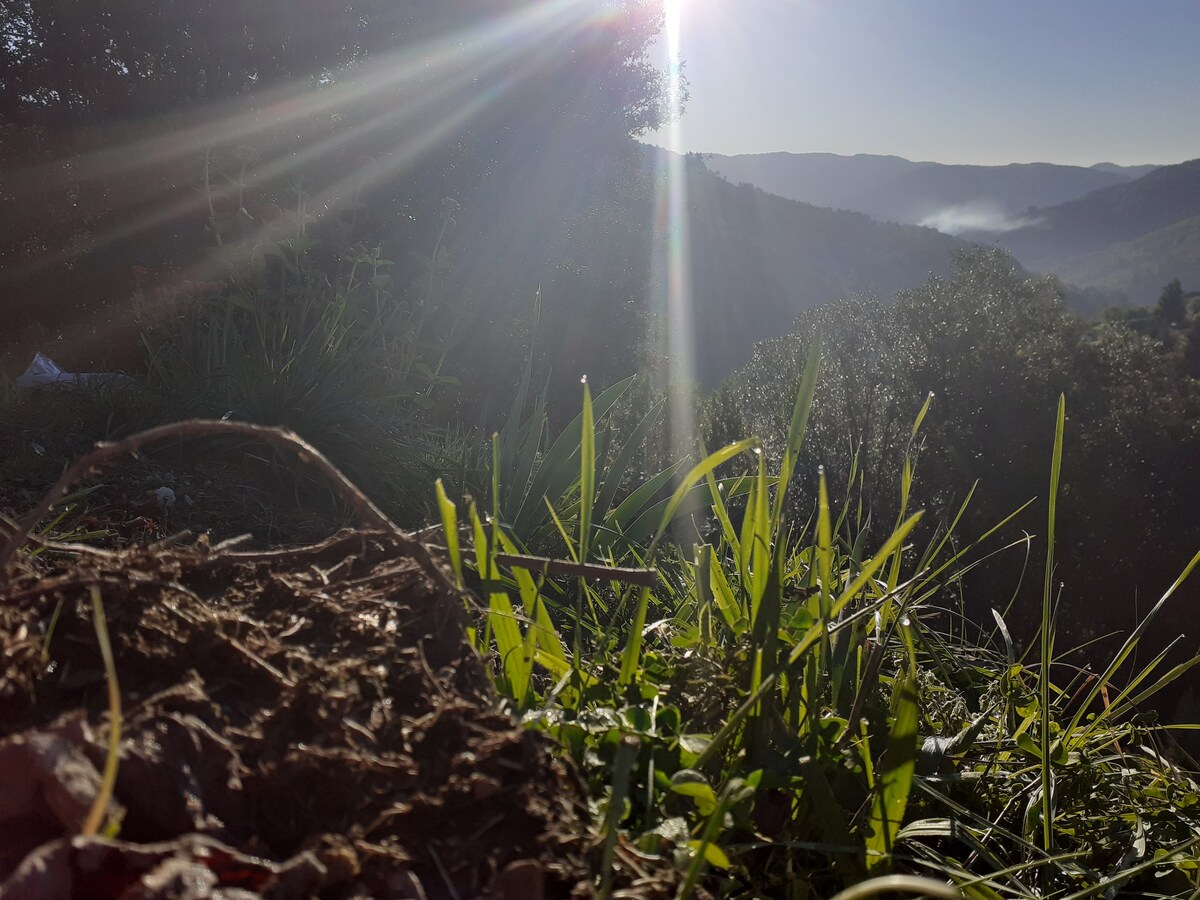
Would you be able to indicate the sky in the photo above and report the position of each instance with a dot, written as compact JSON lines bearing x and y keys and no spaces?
{"x":956,"y":81}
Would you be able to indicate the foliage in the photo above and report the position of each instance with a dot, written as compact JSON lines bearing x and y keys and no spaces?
{"x":141,"y":60}
{"x":489,"y":102}
{"x":1132,"y":219}
{"x":314,"y":334}
{"x":995,"y":348}
{"x":791,"y":710}
{"x":1171,"y":306}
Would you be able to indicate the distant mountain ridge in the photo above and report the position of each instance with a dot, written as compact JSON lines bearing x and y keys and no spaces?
{"x":1115,"y":232}
{"x":1132,"y":172}
{"x":822,"y":179}
{"x":956,"y":198}
{"x":1140,"y":268}
{"x":1117,"y":214}
{"x":891,"y":188}
{"x":758,"y":260}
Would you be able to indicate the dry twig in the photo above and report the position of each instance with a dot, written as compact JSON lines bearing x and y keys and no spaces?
{"x":569,"y":568}
{"x":105,"y":453}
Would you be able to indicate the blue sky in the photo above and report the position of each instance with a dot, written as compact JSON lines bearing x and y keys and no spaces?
{"x":959,"y":81}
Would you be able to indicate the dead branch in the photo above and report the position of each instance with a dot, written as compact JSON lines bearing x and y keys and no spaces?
{"x":107,"y":452}
{"x":566,"y":567}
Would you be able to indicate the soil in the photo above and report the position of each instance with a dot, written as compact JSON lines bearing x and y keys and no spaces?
{"x":305,"y":722}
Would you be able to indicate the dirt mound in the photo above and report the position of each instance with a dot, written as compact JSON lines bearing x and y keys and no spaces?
{"x":297,"y":723}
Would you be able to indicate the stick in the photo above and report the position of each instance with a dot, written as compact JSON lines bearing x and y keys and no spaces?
{"x":548,"y":566}
{"x":106,"y":452}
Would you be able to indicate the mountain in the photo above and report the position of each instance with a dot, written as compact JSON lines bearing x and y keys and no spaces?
{"x":822,"y":179}
{"x":950,"y":197}
{"x":955,"y":199}
{"x":1139,"y":268}
{"x":1117,"y":214}
{"x":1127,"y":171}
{"x":758,"y":260}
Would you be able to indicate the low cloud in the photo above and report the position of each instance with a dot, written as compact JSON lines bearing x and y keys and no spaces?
{"x":976,"y":217}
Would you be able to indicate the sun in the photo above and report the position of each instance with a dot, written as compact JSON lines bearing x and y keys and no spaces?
{"x":674,"y":8}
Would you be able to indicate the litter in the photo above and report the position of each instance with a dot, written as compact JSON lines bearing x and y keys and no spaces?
{"x":44,"y":371}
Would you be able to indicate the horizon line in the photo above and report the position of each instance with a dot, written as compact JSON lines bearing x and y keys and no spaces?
{"x":938,"y":162}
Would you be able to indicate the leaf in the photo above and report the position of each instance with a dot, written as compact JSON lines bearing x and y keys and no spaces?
{"x":723,"y":595}
{"x":704,"y":796}
{"x":547,"y":637}
{"x":873,"y":565}
{"x":450,"y":527}
{"x":555,"y":476}
{"x":694,"y":743}
{"x":824,"y":550}
{"x":719,"y":507}
{"x":895,"y":777}
{"x":632,"y":507}
{"x":615,"y":473}
{"x":633,"y":645}
{"x":1047,"y":632}
{"x":698,"y":471}
{"x":587,"y":475}
{"x":1028,"y":745}
{"x":755,"y":561}
{"x":517,"y":664}
{"x":713,"y":855}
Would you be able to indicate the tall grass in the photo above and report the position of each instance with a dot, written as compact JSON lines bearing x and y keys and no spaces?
{"x":787,"y":712}
{"x":317,"y":335}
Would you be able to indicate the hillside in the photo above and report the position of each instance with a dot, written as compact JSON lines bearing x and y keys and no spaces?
{"x":1116,"y":214}
{"x":758,"y":260}
{"x":896,"y":189}
{"x":1139,"y":268}
{"x":952,"y":197}
{"x":1127,"y":171}
{"x":823,"y":179}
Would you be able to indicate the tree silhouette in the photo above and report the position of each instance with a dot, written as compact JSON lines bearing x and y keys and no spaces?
{"x":1171,"y":306}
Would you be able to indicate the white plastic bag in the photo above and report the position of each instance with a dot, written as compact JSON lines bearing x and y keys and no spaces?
{"x":44,"y":371}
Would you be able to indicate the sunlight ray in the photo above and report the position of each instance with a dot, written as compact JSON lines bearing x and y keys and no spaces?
{"x":461,"y":55}
{"x":672,"y":260}
{"x":459,"y":75}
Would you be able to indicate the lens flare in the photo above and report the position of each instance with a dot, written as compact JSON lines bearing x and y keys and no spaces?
{"x":672,"y":257}
{"x":431,"y":89}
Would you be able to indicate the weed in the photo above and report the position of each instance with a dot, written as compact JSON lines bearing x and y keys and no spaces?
{"x":794,"y":715}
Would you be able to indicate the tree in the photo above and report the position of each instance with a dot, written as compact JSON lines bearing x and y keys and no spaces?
{"x":996,"y":348}
{"x":76,"y":61}
{"x":112,"y":111}
{"x":1171,"y":306}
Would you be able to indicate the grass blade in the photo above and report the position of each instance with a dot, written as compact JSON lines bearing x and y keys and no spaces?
{"x":698,"y":471}
{"x":449,"y":516}
{"x":1047,"y":632}
{"x":895,"y":777}
{"x":108,"y":779}
{"x":615,"y":473}
{"x":801,"y":410}
{"x":587,"y":475}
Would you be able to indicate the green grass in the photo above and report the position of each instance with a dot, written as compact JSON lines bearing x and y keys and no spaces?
{"x":797,"y":705}
{"x":790,"y":712}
